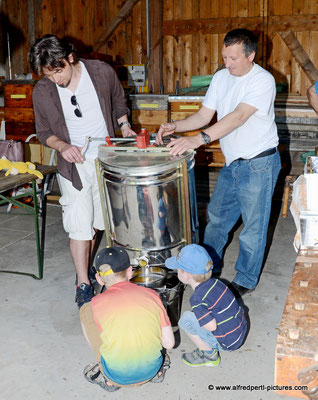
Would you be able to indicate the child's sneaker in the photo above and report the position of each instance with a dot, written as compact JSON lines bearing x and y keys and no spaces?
{"x":84,"y":294}
{"x":200,"y":358}
{"x":93,"y":374}
{"x":160,"y":376}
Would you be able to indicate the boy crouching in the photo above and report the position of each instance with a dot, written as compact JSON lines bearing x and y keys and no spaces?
{"x":216,"y":321}
{"x":127,"y":326}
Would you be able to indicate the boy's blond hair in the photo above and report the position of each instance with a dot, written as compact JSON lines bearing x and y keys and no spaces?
{"x":113,"y":277}
{"x":204,"y":277}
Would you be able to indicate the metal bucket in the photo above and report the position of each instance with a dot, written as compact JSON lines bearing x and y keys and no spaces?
{"x":153,"y":277}
{"x":171,"y":295}
{"x":149,"y":201}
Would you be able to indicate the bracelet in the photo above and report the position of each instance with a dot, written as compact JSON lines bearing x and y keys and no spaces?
{"x":124,"y":123}
{"x":205,"y":137}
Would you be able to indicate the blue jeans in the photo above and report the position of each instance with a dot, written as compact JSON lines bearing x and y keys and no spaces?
{"x":189,"y":323}
{"x":244,"y":188}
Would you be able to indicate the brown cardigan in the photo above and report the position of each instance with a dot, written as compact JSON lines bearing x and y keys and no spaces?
{"x":49,"y":116}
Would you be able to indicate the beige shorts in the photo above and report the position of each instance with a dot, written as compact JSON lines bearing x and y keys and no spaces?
{"x":82,"y":210}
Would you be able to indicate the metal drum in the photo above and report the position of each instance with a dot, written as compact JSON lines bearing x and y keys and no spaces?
{"x":149,"y":201}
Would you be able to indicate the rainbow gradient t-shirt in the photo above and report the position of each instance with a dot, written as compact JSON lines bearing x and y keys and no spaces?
{"x":130,"y":318}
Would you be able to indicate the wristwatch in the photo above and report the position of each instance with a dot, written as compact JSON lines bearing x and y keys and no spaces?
{"x":205,"y":137}
{"x":124,"y":123}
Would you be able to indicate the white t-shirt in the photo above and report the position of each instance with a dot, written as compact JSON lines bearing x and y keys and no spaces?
{"x":92,"y":122}
{"x":256,"y":88}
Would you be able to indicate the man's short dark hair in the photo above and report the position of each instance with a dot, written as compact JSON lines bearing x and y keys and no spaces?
{"x":244,"y":36}
{"x":50,"y":52}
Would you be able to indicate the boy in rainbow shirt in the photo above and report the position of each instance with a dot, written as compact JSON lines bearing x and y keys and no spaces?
{"x":127,"y":326}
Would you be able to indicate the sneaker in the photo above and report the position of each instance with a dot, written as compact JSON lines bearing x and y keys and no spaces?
{"x":91,"y":276}
{"x":93,"y":374}
{"x":160,"y":376}
{"x":200,"y":358}
{"x":239,"y":290}
{"x":84,"y":294}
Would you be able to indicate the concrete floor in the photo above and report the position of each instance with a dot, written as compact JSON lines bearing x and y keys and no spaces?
{"x":43,"y":351}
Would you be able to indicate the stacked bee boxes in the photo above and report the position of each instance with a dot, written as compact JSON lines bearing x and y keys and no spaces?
{"x":182,"y":107}
{"x":148,"y":111}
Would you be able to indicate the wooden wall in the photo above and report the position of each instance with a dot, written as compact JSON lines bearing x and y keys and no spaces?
{"x":83,"y":21}
{"x":192,"y":31}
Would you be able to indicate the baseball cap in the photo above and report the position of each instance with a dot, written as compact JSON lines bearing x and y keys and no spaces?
{"x":192,"y":258}
{"x":116,"y":257}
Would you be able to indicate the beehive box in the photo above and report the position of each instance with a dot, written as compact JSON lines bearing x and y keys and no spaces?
{"x":18,"y":109}
{"x":148,"y":111}
{"x":184,"y":108}
{"x":181,"y":107}
{"x":297,"y":341}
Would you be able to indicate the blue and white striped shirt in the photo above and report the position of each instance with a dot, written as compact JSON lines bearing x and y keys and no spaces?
{"x":214,"y":300}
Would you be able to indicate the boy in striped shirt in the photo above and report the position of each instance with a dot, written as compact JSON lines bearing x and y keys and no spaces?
{"x":217,"y":321}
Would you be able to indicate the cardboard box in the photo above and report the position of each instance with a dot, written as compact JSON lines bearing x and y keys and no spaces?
{"x":37,"y":153}
{"x":311,"y":176}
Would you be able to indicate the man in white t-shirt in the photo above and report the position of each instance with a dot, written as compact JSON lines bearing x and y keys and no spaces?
{"x":75,"y":99}
{"x":243,"y":96}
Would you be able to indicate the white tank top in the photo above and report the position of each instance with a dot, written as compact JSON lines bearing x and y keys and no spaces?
{"x":92,"y":122}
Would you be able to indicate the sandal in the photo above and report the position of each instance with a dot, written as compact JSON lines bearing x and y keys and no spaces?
{"x":159,"y":378}
{"x":93,"y":374}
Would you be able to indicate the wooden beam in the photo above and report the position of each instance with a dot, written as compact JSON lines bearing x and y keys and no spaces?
{"x":209,"y":25}
{"x":296,"y":23}
{"x":119,"y":17}
{"x":223,"y":25}
{"x":156,"y":51}
{"x":31,"y":25}
{"x":300,"y":55}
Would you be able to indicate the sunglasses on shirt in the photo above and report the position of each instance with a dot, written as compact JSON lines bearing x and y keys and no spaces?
{"x":77,"y":110}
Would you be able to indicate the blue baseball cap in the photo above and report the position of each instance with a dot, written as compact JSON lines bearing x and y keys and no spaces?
{"x":192,"y":258}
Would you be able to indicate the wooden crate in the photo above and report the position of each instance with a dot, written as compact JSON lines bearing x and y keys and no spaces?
{"x":182,"y":109}
{"x":151,"y":120}
{"x":16,"y":114}
{"x":18,"y":95}
{"x":210,"y":155}
{"x":148,"y":111}
{"x":18,"y":109}
{"x":297,"y":341}
{"x":19,"y":130}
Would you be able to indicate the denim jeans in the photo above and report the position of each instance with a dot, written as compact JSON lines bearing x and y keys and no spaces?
{"x":244,"y":188}
{"x":189,"y":323}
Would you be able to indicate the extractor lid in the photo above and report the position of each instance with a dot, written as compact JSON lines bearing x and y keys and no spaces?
{"x":140,"y":161}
